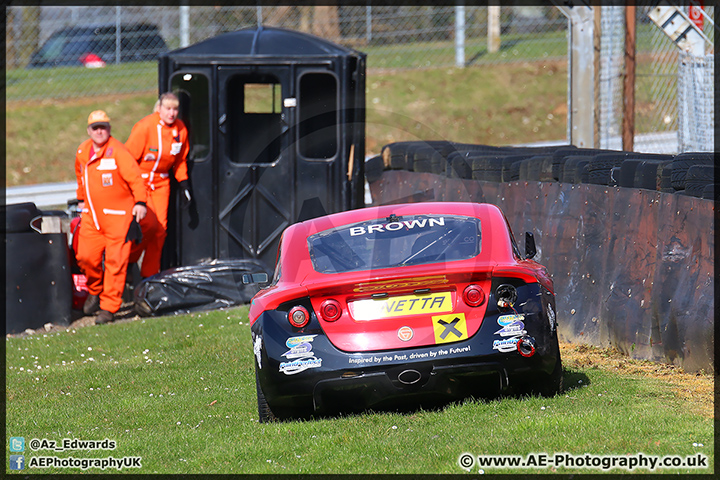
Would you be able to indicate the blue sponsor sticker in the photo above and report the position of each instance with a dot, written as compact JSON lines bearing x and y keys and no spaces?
{"x":299,"y":351}
{"x":504,"y":320}
{"x":513,"y":330}
{"x":301,"y":355}
{"x":295,"y":341}
{"x":506,"y":345}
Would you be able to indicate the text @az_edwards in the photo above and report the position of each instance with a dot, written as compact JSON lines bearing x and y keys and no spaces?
{"x":585,"y":461}
{"x":71,"y":444}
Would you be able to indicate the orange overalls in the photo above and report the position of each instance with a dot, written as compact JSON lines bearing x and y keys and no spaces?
{"x":157,"y":147}
{"x":110,"y":184}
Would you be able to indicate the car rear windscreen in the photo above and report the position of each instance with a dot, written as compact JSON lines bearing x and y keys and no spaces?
{"x":395,"y":242}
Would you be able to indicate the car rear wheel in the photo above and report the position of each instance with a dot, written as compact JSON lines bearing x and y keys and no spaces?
{"x":551,"y":385}
{"x":545,"y":385}
{"x":265,"y":415}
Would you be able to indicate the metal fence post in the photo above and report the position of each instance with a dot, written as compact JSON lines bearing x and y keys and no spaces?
{"x":460,"y":36}
{"x":118,"y":15}
{"x":184,"y":24}
{"x":581,"y":74}
{"x":493,"y":29}
{"x":368,"y":24}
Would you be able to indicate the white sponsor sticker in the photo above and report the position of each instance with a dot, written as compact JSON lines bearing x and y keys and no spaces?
{"x":515,"y":329}
{"x":107,"y":164}
{"x":257,"y":348}
{"x":107,"y":180}
{"x":297,"y":366}
{"x":551,"y":317}
{"x":301,"y":351}
{"x":505,"y":346}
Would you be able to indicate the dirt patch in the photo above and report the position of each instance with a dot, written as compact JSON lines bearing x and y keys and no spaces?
{"x":78,"y":319}
{"x":697,"y":389}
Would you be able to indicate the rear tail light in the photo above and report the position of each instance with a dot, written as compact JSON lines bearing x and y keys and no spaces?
{"x":298,"y":316}
{"x":473,"y":295}
{"x":330,"y":310}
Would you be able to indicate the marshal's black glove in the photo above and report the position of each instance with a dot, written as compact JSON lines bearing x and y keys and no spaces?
{"x":185,"y":195}
{"x":134,"y":233}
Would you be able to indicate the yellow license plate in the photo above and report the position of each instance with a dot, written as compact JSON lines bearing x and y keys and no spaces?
{"x":376,"y":309}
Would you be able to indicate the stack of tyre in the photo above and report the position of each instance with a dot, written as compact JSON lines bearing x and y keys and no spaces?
{"x":693,"y":173}
{"x":690,"y":173}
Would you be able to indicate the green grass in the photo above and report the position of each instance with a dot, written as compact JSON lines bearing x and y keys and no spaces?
{"x":519,"y":99}
{"x":42,"y":136}
{"x":180,"y":393}
{"x":513,"y":47}
{"x":70,"y":82}
{"x":486,"y":105}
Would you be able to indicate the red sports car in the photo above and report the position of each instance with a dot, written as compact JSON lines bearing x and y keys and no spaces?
{"x":402,"y":305}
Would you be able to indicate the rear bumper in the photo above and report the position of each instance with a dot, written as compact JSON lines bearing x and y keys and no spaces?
{"x":303,"y":371}
{"x":334,"y":381}
{"x":408,"y":384}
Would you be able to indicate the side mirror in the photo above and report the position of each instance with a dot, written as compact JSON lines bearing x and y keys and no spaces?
{"x":249,"y":278}
{"x":530,"y":249}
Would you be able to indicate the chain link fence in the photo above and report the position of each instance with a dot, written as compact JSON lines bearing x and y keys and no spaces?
{"x":50,"y":51}
{"x":696,"y":116}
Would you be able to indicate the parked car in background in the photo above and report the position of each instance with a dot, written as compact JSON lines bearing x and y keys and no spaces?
{"x":402,"y":305}
{"x":96,"y":45}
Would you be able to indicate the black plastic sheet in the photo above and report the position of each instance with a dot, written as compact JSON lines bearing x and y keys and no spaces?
{"x":207,"y":286}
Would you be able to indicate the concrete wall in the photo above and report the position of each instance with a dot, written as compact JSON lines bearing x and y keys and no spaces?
{"x":632,"y":268}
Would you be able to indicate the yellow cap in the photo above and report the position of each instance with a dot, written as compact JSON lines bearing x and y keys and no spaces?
{"x":98,"y":117}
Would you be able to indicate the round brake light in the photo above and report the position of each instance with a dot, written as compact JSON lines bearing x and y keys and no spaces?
{"x":473,"y":295}
{"x":298,"y":316}
{"x":330,"y":310}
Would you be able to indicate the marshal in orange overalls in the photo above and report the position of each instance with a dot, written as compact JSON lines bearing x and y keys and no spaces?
{"x":110,"y":184}
{"x":158,"y":148}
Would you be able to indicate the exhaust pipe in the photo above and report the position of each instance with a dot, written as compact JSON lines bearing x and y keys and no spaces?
{"x":409,"y":377}
{"x":526,"y":346}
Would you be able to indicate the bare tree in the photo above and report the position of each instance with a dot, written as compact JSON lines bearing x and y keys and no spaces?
{"x":326,"y":23}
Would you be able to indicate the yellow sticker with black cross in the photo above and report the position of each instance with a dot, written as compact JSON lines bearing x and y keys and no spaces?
{"x":450,"y":328}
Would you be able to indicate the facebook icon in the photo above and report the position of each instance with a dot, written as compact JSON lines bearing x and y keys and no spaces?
{"x":17,"y":462}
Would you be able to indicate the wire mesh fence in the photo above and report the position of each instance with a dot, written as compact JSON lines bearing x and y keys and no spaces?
{"x":73,"y":51}
{"x":696,"y":113}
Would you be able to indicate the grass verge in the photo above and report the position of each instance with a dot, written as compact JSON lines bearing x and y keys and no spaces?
{"x":503,"y":104}
{"x":179,"y":392}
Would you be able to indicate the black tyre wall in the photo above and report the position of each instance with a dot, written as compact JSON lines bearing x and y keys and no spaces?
{"x":374,"y":168}
{"x":698,"y":177}
{"x":18,"y":216}
{"x":683,"y":161}
{"x":646,"y":175}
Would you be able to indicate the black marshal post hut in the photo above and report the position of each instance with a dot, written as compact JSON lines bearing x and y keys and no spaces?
{"x":277,"y":131}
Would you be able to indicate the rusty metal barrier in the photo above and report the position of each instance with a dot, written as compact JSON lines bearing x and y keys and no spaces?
{"x":632,"y":268}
